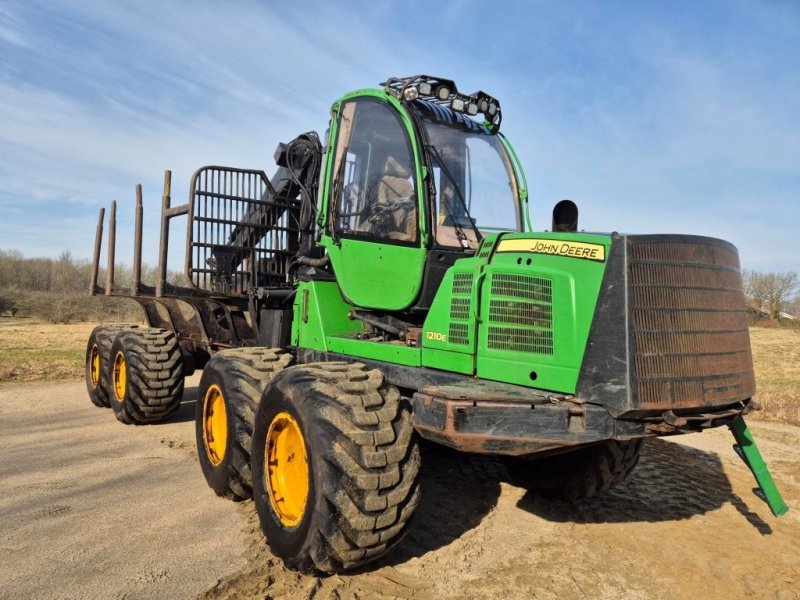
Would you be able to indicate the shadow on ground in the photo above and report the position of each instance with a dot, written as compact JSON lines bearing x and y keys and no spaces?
{"x":185,"y":413}
{"x":671,"y":482}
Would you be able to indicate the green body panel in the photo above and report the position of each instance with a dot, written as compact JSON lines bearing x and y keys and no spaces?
{"x":321,"y":323}
{"x":456,"y":362}
{"x":538,"y":341}
{"x":319,"y":312}
{"x":392,"y":352}
{"x":378,"y":276}
{"x":449,"y":333}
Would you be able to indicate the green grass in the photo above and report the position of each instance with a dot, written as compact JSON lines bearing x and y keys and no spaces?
{"x":776,"y":357}
{"x":33,"y":351}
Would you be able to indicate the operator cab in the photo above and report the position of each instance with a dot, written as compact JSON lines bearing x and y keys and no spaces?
{"x":413,"y":184}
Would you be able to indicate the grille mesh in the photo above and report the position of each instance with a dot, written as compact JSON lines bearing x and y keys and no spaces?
{"x":458,"y":334}
{"x":459,"y":309}
{"x":689,"y":320}
{"x":520,"y":314}
{"x":462,"y":283}
{"x":460,"y":305}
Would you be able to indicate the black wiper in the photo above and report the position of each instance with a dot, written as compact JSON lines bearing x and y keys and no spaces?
{"x":459,"y":230}
{"x":337,"y":188}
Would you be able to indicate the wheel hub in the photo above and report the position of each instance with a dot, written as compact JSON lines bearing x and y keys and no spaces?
{"x":286,"y":471}
{"x":120,"y":377}
{"x":94,"y":366}
{"x":215,"y":425}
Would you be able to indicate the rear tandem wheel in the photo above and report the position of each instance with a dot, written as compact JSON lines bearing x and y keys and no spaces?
{"x":146,"y":376}
{"x":98,"y":354}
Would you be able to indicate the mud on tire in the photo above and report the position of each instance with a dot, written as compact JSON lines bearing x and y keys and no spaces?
{"x":98,"y":353}
{"x":362,"y":470}
{"x":581,"y":473}
{"x":227,"y":399}
{"x":151,"y":387}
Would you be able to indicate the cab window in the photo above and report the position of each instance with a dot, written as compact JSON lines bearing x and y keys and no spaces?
{"x":374,"y":183}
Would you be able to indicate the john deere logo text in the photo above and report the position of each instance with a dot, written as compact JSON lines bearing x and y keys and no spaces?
{"x":556,"y":247}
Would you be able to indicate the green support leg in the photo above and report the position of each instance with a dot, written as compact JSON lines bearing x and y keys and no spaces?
{"x":748,"y":451}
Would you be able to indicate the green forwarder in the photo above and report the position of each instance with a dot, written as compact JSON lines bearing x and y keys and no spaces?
{"x":389,"y":286}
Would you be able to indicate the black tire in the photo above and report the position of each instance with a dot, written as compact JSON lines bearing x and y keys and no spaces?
{"x":153,"y":385}
{"x":577,"y":474}
{"x":236,"y":377}
{"x":98,"y":352}
{"x":362,"y":475}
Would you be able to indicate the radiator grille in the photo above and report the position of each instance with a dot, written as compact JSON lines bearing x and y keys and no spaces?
{"x":459,"y":309}
{"x":460,"y":306}
{"x":462,"y":283}
{"x":485,"y":249}
{"x":458,"y":334}
{"x":520,"y":314}
{"x":689,"y":319}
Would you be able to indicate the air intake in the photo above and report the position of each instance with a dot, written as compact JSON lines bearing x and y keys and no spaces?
{"x":521,"y":314}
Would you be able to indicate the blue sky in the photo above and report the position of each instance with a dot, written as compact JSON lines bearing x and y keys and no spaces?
{"x":670,"y":117}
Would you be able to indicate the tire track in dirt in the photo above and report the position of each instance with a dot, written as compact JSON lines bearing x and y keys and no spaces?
{"x":684,"y":525}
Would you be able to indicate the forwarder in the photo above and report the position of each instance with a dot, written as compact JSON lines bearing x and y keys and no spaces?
{"x":388,"y":287}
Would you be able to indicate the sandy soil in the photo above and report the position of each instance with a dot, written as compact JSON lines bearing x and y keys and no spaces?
{"x":90,"y":508}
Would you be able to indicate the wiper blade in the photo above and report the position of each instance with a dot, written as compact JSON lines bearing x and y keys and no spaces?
{"x":459,"y":230}
{"x":337,"y":188}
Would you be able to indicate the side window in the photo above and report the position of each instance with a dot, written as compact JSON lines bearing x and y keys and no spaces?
{"x":374,"y":179}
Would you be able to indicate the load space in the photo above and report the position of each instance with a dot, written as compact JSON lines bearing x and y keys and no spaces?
{"x":386,"y":285}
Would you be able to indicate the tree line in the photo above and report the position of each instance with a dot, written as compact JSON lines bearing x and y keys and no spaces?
{"x":57,"y":290}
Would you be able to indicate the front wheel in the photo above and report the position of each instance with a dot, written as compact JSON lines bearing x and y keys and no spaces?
{"x":335,"y":466}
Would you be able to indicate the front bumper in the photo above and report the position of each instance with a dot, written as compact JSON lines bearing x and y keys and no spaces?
{"x":494,"y":418}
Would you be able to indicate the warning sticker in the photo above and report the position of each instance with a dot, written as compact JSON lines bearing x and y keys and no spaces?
{"x":569,"y":249}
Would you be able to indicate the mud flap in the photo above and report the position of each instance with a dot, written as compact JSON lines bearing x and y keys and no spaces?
{"x":747,"y":450}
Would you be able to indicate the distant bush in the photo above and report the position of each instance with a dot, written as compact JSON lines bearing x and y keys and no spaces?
{"x":57,"y":290}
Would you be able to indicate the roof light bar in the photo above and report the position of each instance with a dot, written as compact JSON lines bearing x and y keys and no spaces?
{"x":444,"y":93}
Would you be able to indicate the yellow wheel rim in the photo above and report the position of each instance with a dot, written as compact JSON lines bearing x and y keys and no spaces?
{"x":120,"y":377}
{"x":94,"y":366}
{"x":286,"y":469}
{"x":215,"y":425}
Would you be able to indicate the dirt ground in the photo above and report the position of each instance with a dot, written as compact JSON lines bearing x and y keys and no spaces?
{"x":93,"y":509}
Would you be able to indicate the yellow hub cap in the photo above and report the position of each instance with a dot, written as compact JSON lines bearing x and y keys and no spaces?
{"x":215,"y":425}
{"x":120,"y":377}
{"x":94,"y":366}
{"x":286,"y":469}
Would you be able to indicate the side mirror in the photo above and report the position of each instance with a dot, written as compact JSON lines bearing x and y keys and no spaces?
{"x":565,"y":216}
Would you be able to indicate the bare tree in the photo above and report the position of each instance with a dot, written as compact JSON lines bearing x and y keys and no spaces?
{"x":769,"y":292}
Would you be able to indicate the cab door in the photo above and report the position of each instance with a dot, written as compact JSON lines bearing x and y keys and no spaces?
{"x":373,"y":234}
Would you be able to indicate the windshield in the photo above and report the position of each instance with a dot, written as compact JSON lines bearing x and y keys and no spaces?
{"x":475,"y":185}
